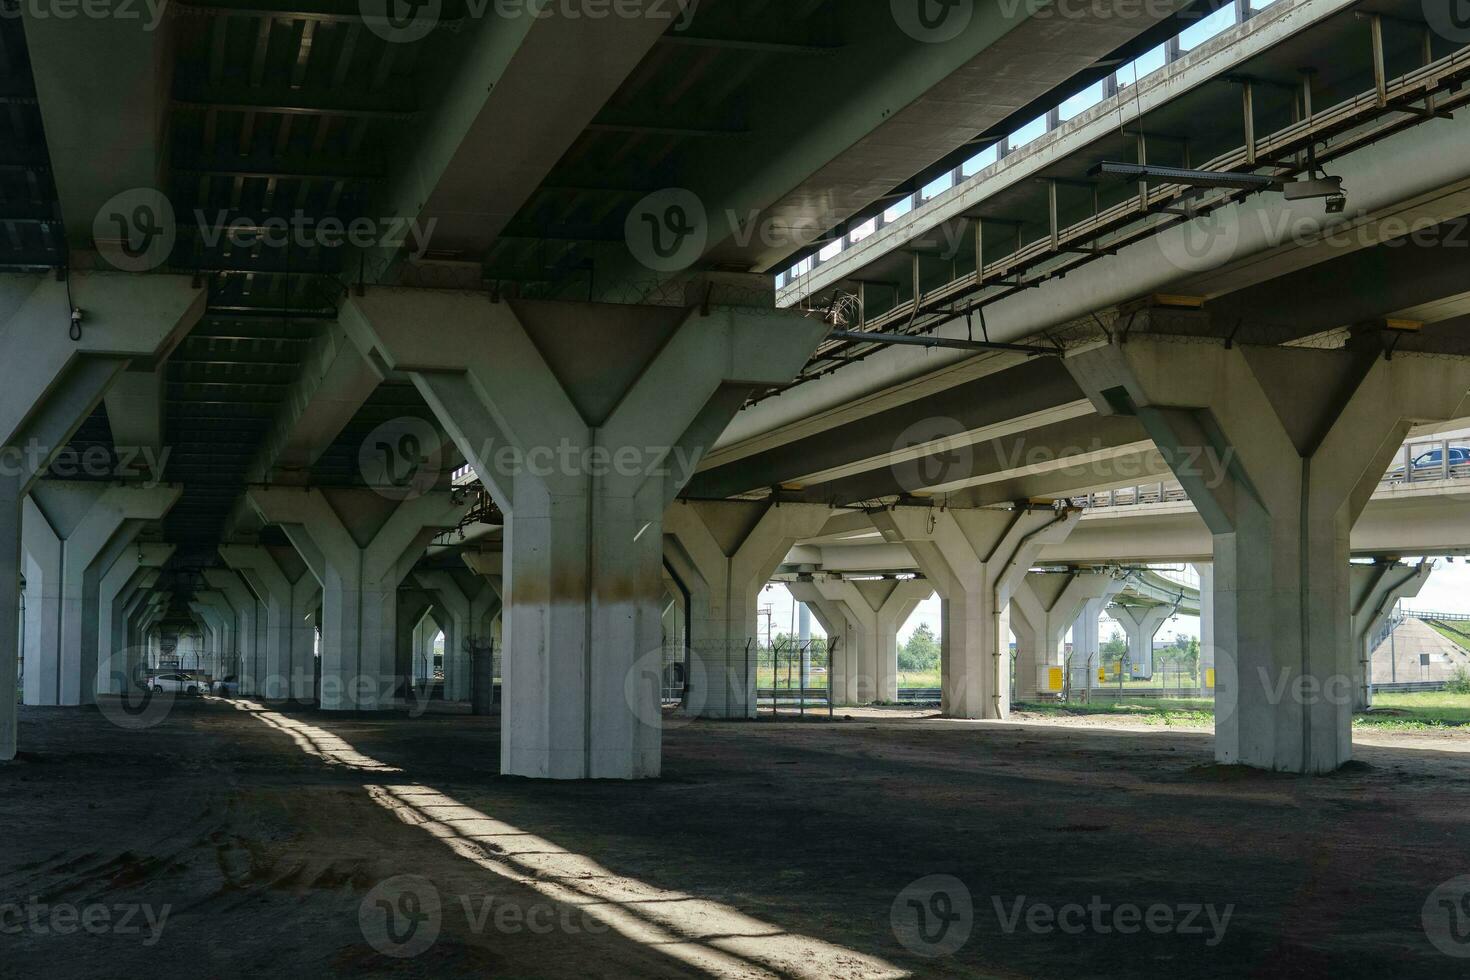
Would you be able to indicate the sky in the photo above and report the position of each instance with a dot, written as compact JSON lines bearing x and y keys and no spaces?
{"x":1448,"y":590}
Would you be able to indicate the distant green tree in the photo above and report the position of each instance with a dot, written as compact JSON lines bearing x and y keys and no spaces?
{"x":1114,"y":647}
{"x":921,"y":652}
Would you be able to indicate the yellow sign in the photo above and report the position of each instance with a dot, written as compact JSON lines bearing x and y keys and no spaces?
{"x":1209,"y":677}
{"x":1054,"y":678}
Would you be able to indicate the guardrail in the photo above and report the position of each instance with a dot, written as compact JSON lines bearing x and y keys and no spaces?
{"x":1429,"y":461}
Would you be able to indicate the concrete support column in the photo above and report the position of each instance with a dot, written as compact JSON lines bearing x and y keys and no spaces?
{"x":1141,"y":624}
{"x":413,"y":607}
{"x":246,"y":610}
{"x":75,"y":532}
{"x":975,"y":559}
{"x":226,"y":624}
{"x":1279,"y":449}
{"x":117,"y":660}
{"x":876,"y":610}
{"x":842,"y":662}
{"x":1044,"y":607}
{"x":217,"y":636}
{"x":53,"y":384}
{"x":1206,"y":572}
{"x":1377,"y":589}
{"x":1087,"y":644}
{"x":486,"y":605}
{"x":289,"y":593}
{"x":424,"y":635}
{"x":450,"y":597}
{"x":725,"y":553}
{"x":359,"y":545}
{"x":141,"y":613}
{"x":583,"y":421}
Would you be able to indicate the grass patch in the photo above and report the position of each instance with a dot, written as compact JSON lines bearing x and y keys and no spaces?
{"x":1459,"y":639}
{"x":1418,"y":711}
{"x":1192,"y":712}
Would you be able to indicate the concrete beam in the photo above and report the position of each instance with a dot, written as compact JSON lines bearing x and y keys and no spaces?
{"x":334,"y":383}
{"x":102,"y":84}
{"x":544,"y":78}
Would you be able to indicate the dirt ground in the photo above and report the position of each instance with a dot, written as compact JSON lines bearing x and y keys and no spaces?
{"x":276,"y":842}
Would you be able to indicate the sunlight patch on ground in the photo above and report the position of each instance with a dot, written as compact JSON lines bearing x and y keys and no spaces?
{"x":716,"y":939}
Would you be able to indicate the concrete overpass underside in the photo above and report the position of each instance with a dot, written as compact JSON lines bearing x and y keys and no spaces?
{"x":557,"y":333}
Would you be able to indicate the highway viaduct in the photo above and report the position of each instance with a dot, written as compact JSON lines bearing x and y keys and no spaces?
{"x":555,"y":368}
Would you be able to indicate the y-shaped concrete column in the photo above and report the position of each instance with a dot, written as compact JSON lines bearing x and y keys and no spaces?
{"x":725,"y":552}
{"x":289,"y":593}
{"x":226,"y":624}
{"x":247,"y":625}
{"x":135,"y":570}
{"x":137,"y":615}
{"x":75,"y":532}
{"x":583,"y":421}
{"x":1043,"y":608}
{"x":1279,"y":449}
{"x":450,"y":599}
{"x":1087,"y":645}
{"x":217,"y":631}
{"x":1206,"y":572}
{"x":424,"y":634}
{"x":1377,"y":588}
{"x":53,"y":383}
{"x":359,"y":545}
{"x":832,"y":615}
{"x":876,"y":610}
{"x":1141,"y":624}
{"x":974,"y":559}
{"x":413,"y":607}
{"x":486,"y":603}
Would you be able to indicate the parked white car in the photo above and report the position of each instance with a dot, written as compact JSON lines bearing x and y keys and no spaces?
{"x":176,"y":684}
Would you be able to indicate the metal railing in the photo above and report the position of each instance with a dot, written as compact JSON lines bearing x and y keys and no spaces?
{"x":1421,"y":461}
